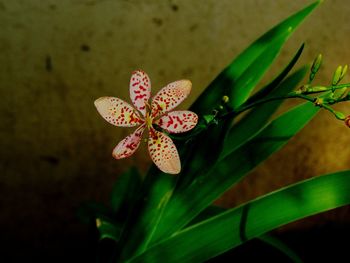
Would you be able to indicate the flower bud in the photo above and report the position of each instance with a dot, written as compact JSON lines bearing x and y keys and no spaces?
{"x":315,"y":67}
{"x":316,"y":89}
{"x":339,"y":93}
{"x":304,"y":88}
{"x":339,"y":115}
{"x":225,"y":99}
{"x":316,"y":64}
{"x":343,"y":72}
{"x":337,"y":75}
{"x":209,"y":118}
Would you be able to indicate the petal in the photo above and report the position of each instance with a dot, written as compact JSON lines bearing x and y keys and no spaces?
{"x":163,"y":152}
{"x":178,"y":121}
{"x":128,"y":145}
{"x":140,"y":90}
{"x":170,"y":96}
{"x":117,"y":112}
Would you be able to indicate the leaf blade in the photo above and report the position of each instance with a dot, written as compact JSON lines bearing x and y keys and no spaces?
{"x":211,"y":97}
{"x":257,"y":118}
{"x":209,"y":238}
{"x":122,"y":192}
{"x":184,"y":206}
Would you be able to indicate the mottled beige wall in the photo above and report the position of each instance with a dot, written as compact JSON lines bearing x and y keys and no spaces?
{"x":57,"y":57}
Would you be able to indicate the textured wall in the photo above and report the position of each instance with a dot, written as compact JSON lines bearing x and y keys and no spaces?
{"x":56,"y":57}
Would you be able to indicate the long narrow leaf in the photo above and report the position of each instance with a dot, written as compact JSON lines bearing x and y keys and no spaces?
{"x":185,"y":205}
{"x":108,"y":229}
{"x":123,"y":193}
{"x":265,"y":91}
{"x":141,"y":230}
{"x":213,"y":211}
{"x":257,"y":118}
{"x":198,"y":161}
{"x":245,"y":84}
{"x":156,"y":192}
{"x":223,"y":232}
{"x":225,"y":81}
{"x":207,"y":213}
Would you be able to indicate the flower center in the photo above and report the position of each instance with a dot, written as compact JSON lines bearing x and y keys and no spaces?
{"x":149,"y":120}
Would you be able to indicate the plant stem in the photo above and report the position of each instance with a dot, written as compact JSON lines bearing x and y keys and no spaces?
{"x":291,"y":95}
{"x":298,"y":94}
{"x":243,"y":108}
{"x":327,"y":88}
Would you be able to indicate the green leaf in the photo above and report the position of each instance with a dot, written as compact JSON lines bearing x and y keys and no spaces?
{"x":108,"y":229}
{"x":226,"y":82}
{"x":197,"y":161}
{"x":152,"y":198}
{"x":213,"y":210}
{"x":141,"y":227}
{"x":265,"y":91}
{"x":123,"y":193}
{"x":245,"y":84}
{"x":159,"y":187}
{"x":189,"y":202}
{"x":207,"y":213}
{"x":257,"y":118}
{"x":230,"y":229}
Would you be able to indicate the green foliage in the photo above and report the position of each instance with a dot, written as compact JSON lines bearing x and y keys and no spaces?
{"x":194,"y":154}
{"x":171,"y":218}
{"x":185,"y":205}
{"x":108,"y":229}
{"x":258,"y":117}
{"x":254,"y":60}
{"x":123,"y":193}
{"x":210,"y":237}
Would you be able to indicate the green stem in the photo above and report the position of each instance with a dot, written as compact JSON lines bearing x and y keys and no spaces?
{"x":346,"y":98}
{"x":243,"y":108}
{"x":292,"y":95}
{"x":330,"y":109}
{"x":326,"y":88}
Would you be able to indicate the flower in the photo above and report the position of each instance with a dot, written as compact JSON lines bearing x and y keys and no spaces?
{"x":161,"y":148}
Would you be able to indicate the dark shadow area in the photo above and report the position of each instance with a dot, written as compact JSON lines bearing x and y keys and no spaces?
{"x":73,"y":248}
{"x":316,"y":244}
{"x":325,"y":243}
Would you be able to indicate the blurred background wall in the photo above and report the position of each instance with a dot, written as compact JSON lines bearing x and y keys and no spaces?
{"x":57,"y":57}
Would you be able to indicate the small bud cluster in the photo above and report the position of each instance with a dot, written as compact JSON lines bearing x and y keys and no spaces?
{"x":330,"y":95}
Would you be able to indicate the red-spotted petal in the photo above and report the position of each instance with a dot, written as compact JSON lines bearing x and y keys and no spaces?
{"x":163,"y":152}
{"x":170,"y":96}
{"x":178,"y":121}
{"x":117,"y":112}
{"x":128,"y":145}
{"x":140,"y":90}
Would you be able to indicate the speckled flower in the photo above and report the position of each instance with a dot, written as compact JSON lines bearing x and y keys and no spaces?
{"x":161,"y":148}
